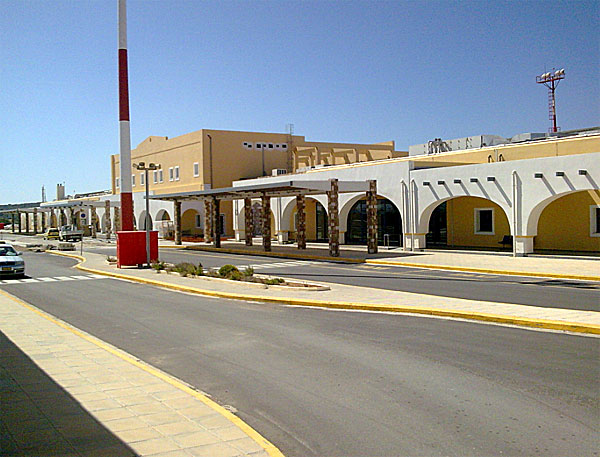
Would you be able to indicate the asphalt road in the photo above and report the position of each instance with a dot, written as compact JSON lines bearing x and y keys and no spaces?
{"x":331,"y":383}
{"x":554,"y":293}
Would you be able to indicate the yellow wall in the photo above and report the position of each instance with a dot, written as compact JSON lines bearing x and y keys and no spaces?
{"x":565,"y":224}
{"x":460,"y":217}
{"x":310,"y":211}
{"x":188,"y":223}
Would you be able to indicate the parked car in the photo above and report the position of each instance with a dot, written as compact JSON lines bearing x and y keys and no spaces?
{"x":70,"y":233}
{"x":11,"y":262}
{"x":52,"y":234}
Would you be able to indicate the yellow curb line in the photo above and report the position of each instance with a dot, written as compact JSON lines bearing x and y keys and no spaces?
{"x":484,"y":270}
{"x":475,"y":316}
{"x":269,"y":447}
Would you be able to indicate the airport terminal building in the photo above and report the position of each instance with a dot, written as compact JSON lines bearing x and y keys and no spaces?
{"x":477,"y":192}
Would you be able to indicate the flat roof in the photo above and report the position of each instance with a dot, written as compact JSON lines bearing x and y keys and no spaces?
{"x":274,"y":189}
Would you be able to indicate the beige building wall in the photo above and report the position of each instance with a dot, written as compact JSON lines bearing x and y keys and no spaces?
{"x":225,"y":156}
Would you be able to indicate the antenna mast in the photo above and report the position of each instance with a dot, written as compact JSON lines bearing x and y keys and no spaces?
{"x":551,"y":80}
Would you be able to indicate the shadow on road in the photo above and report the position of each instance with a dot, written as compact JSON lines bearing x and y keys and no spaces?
{"x":38,"y":417}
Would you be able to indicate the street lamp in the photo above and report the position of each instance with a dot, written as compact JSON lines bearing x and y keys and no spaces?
{"x":151,"y":166}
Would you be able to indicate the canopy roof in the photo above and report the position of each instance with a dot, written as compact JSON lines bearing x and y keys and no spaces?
{"x":274,"y":189}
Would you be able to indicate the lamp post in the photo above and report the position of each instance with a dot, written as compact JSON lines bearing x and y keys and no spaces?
{"x":151,"y":166}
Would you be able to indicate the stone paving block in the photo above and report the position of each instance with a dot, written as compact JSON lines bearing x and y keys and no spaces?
{"x":132,"y":401}
{"x":177,"y":428}
{"x":247,"y":445}
{"x":230,"y":433}
{"x":98,"y":405}
{"x":138,"y":434}
{"x":215,"y":422}
{"x":148,"y":408}
{"x":128,"y":423}
{"x":171,"y":394}
{"x":197,"y":412}
{"x":161,"y":418}
{"x":197,"y":438}
{"x":155,"y":446}
{"x":180,"y":403}
{"x":111,"y":414}
{"x":215,"y":450}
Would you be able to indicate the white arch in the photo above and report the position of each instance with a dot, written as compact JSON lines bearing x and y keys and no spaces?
{"x":425,"y":214}
{"x":142,"y":221}
{"x":160,"y":214}
{"x":533,"y":217}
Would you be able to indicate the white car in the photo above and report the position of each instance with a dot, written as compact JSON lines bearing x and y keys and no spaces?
{"x":11,"y":262}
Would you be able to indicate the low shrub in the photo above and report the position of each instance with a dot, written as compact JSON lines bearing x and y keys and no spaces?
{"x":248,"y":272}
{"x":158,"y":266}
{"x":226,"y":270}
{"x":186,"y":269}
{"x":273,"y":281}
{"x":235,"y":275}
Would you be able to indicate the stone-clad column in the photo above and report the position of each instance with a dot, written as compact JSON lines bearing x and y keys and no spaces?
{"x":12,"y":222}
{"x":248,"y":222}
{"x":334,"y":220}
{"x":94,"y":218}
{"x":117,"y":218}
{"x":266,"y":222}
{"x":301,"y":226}
{"x":207,"y":221}
{"x":61,"y":217}
{"x":107,"y":218}
{"x":372,"y":217}
{"x":216,"y":212}
{"x":177,"y":223}
{"x":35,"y":221}
{"x":20,"y":221}
{"x":45,"y":225}
{"x":27,"y":223}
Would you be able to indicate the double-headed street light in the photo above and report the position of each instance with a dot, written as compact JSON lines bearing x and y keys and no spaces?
{"x":151,"y":166}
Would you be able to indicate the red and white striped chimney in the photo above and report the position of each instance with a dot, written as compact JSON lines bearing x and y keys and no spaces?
{"x":124,"y":132}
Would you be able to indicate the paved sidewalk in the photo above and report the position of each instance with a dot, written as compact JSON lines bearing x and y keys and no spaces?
{"x":557,"y":266}
{"x":65,"y":393}
{"x":362,"y":298}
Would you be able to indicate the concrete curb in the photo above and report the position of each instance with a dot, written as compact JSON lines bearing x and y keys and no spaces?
{"x":273,"y":254}
{"x":468,"y":315}
{"x":484,"y":270}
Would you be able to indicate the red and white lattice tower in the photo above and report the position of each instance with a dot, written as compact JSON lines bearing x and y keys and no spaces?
{"x":551,"y":80}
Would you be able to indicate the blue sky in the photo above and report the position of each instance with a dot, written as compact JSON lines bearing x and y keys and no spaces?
{"x":344,"y":71}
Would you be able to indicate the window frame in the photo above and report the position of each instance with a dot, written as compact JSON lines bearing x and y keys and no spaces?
{"x":142,"y":178}
{"x":594,"y":228}
{"x":132,"y":180}
{"x":171,"y":174}
{"x":196,"y":169}
{"x":160,"y":176}
{"x":155,"y":176}
{"x":477,"y":221}
{"x":176,"y":172}
{"x":117,"y":182}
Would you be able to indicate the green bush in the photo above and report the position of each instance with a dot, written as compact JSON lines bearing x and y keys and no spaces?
{"x":235,"y":275}
{"x":200,"y":269}
{"x":158,"y":266}
{"x":248,"y":272}
{"x":273,"y":281}
{"x":226,"y":270}
{"x":186,"y":269}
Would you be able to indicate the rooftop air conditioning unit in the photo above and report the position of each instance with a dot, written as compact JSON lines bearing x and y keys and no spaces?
{"x":279,"y":171}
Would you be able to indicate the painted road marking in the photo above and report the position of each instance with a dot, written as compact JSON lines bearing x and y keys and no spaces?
{"x":51,"y":279}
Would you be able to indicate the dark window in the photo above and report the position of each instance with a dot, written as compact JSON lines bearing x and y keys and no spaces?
{"x":321,"y":219}
{"x":485,"y":221}
{"x":597,"y":221}
{"x":438,"y":227}
{"x":388,"y":223}
{"x":270,"y":146}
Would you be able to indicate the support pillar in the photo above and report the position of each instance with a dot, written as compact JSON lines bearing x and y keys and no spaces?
{"x":61,"y":218}
{"x":248,"y":222}
{"x":35,"y":221}
{"x":177,"y":222}
{"x":207,"y":221}
{"x":334,"y":219}
{"x":418,"y":239}
{"x":117,"y":212}
{"x":107,"y":218}
{"x":372,"y":217}
{"x":94,"y":218}
{"x":523,"y":245}
{"x":301,"y":226}
{"x":266,"y":222}
{"x":44,"y":222}
{"x":12,"y":222}
{"x":216,"y":212}
{"x":20,"y":222}
{"x":27,"y":223}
